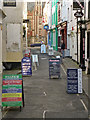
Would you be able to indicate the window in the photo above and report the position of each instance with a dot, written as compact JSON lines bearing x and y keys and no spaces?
{"x":9,"y":3}
{"x":76,"y":5}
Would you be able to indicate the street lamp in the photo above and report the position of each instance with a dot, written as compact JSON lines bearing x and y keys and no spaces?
{"x":82,"y":24}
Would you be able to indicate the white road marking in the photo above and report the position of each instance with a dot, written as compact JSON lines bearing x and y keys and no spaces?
{"x":64,"y":70}
{"x":44,"y":113}
{"x":43,"y":58}
{"x":84,"y":105}
{"x":5,"y":113}
{"x":45,"y":93}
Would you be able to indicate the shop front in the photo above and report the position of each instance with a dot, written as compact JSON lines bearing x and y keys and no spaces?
{"x":49,"y":38}
{"x":62,"y":35}
{"x":88,"y":48}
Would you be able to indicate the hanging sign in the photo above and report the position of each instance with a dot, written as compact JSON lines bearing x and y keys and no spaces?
{"x":54,"y":67}
{"x":46,"y":27}
{"x":74,"y":81}
{"x":78,"y":14}
{"x":12,"y":90}
{"x":26,"y":66}
{"x":43,"y":48}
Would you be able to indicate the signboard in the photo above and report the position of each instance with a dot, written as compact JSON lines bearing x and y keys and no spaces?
{"x":78,"y":14}
{"x":26,"y":66}
{"x":74,"y":81}
{"x":12,"y":90}
{"x":35,"y":58}
{"x":46,"y":27}
{"x":9,"y":3}
{"x":43,"y":48}
{"x":50,"y":51}
{"x":54,"y":67}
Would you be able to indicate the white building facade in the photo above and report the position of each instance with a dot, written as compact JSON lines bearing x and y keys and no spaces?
{"x":2,"y":15}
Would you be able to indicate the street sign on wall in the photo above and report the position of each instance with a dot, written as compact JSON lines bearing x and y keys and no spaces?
{"x":12,"y":90}
{"x":26,"y":66}
{"x":9,"y":3}
{"x":74,"y":81}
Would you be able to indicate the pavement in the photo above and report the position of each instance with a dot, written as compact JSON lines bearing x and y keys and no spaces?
{"x":69,"y":63}
{"x":48,"y":98}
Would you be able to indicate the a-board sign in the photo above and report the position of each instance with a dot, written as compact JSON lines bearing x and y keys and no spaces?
{"x":54,"y":67}
{"x":26,"y":66}
{"x":12,"y":90}
{"x":43,"y":48}
{"x":50,"y":51}
{"x":74,"y":81}
{"x":35,"y":58}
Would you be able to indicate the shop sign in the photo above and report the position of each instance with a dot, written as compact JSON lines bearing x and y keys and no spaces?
{"x":46,"y":27}
{"x":74,"y":81}
{"x":12,"y":90}
{"x":78,"y":14}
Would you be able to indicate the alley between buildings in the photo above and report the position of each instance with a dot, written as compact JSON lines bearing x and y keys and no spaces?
{"x":48,"y":98}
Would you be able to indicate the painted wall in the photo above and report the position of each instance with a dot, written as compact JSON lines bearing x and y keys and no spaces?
{"x":14,"y":15}
{"x":54,"y":23}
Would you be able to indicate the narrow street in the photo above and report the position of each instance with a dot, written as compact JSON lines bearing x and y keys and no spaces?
{"x":48,"y":98}
{"x":44,"y":59}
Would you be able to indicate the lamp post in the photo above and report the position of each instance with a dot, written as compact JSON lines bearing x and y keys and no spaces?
{"x":78,"y":14}
{"x":82,"y":43}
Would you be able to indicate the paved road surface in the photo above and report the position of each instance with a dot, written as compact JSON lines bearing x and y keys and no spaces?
{"x":47,"y":98}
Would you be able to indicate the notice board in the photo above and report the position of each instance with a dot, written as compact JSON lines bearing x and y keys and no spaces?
{"x":12,"y":90}
{"x":74,"y":81}
{"x":54,"y":67}
{"x":26,"y":66}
